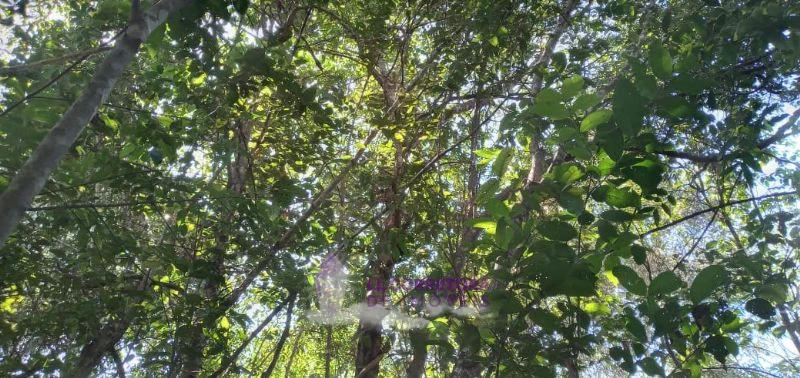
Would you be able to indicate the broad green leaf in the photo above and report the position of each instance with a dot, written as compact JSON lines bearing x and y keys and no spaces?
{"x":775,"y":293}
{"x":489,"y":225}
{"x":501,"y":162}
{"x":716,"y":346}
{"x":571,"y":86}
{"x":616,"y":216}
{"x":629,"y":107}
{"x":567,"y":173}
{"x":548,"y":104}
{"x":639,"y":254}
{"x":622,"y":198}
{"x":689,"y":84}
{"x":665,"y":283}
{"x":635,"y":326}
{"x":555,"y":230}
{"x":611,"y":140}
{"x":487,"y":190}
{"x":497,"y":208}
{"x":630,"y":280}
{"x":708,"y":280}
{"x":660,"y":60}
{"x":579,"y":150}
{"x":651,"y":367}
{"x":571,"y":202}
{"x":760,"y":307}
{"x":596,"y":118}
{"x":544,"y":319}
{"x":585,"y":101}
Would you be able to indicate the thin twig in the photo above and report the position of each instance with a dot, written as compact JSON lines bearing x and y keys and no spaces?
{"x":16,"y":69}
{"x":715,"y":208}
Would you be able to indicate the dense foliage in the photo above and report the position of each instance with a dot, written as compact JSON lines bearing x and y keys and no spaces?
{"x":622,"y":174}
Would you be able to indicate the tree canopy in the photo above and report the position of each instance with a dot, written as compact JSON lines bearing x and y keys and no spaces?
{"x":369,"y":188}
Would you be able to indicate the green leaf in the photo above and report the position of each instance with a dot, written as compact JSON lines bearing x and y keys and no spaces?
{"x":635,"y":326}
{"x":548,"y":104}
{"x":622,"y":198}
{"x":639,"y":254}
{"x":760,"y":307}
{"x":567,"y":173}
{"x":646,"y":173}
{"x":708,"y":280}
{"x":487,"y":190}
{"x":665,"y":283}
{"x":611,"y":140}
{"x":241,"y":6}
{"x":660,"y":60}
{"x":775,"y":293}
{"x":579,"y":150}
{"x":556,"y":230}
{"x":501,"y":162}
{"x":571,"y":202}
{"x":629,"y":107}
{"x":489,"y":225}
{"x":630,"y":280}
{"x":585,"y":101}
{"x":688,"y":84}
{"x":496,"y":208}
{"x":716,"y":346}
{"x":616,"y":216}
{"x":651,"y":367}
{"x":595,"y":118}
{"x":571,"y":86}
{"x":544,"y":319}
{"x":617,"y":353}
{"x":586,"y":218}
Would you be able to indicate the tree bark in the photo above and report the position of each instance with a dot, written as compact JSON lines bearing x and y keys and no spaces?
{"x":93,"y":352}
{"x":791,"y":327}
{"x":370,"y":335}
{"x":33,"y":175}
{"x":419,"y":353}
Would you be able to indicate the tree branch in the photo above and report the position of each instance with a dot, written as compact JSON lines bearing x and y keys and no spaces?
{"x":16,"y":69}
{"x":32,"y":177}
{"x":235,"y":355}
{"x":779,"y":135}
{"x":282,"y":340}
{"x":716,"y":208}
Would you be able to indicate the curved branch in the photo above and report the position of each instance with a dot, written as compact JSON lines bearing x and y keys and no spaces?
{"x":779,"y":135}
{"x":716,"y":208}
{"x":16,"y":69}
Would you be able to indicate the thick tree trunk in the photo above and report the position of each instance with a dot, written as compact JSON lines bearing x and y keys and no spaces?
{"x":370,"y":336}
{"x":370,"y":348}
{"x":466,"y":366}
{"x":33,"y":175}
{"x":791,"y":327}
{"x":419,"y":353}
{"x":93,"y":352}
